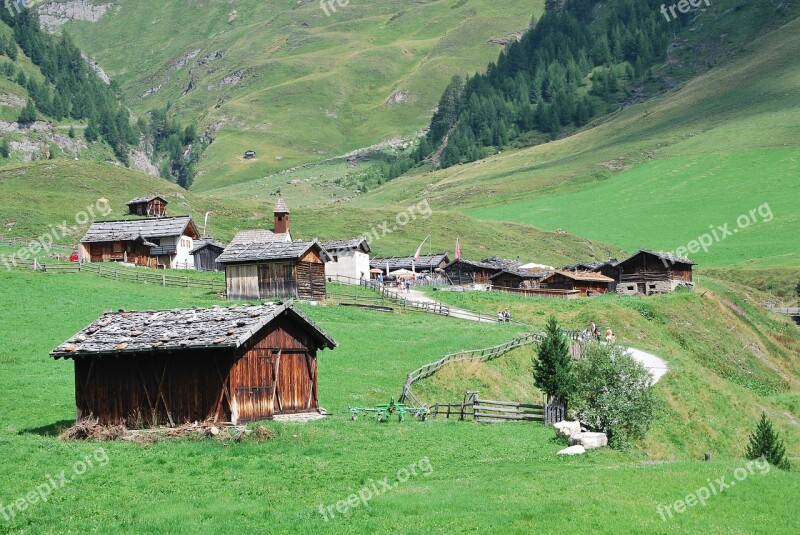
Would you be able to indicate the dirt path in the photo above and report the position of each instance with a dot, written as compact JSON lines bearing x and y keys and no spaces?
{"x":656,"y":366}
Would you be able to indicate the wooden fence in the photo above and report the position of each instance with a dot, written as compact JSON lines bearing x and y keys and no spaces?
{"x":140,"y":275}
{"x":539,"y":292}
{"x":484,"y":354}
{"x":490,"y":411}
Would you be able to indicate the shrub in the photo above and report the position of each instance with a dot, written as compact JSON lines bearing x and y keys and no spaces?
{"x":552,"y":370}
{"x":614,"y":394}
{"x":5,"y":148}
{"x":765,"y":442}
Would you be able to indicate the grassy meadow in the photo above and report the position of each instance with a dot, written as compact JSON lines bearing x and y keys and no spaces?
{"x":508,"y":474}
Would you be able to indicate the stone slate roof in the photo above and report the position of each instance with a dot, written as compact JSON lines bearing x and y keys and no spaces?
{"x":258,"y":236}
{"x":140,"y":200}
{"x":491,"y":263}
{"x":132,"y":229}
{"x":264,"y":251}
{"x":349,"y":245}
{"x":118,"y":333}
{"x":424,"y":262}
{"x":280,"y":207}
{"x":522,"y":273}
{"x":206,"y":242}
{"x":581,"y":276}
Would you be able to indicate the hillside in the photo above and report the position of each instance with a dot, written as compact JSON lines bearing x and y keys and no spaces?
{"x":656,"y":174}
{"x":286,"y":80}
{"x":41,"y":195}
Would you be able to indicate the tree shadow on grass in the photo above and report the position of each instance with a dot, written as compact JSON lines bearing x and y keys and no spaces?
{"x":50,"y":430}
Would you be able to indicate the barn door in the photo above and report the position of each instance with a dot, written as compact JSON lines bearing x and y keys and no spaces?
{"x":255,"y":391}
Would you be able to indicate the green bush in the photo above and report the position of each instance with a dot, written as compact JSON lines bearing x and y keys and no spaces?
{"x":614,"y":394}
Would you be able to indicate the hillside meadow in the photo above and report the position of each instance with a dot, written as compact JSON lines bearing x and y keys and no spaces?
{"x":502,"y":478}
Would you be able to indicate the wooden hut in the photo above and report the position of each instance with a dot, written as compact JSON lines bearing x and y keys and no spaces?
{"x":517,"y":278}
{"x":162,"y":242}
{"x":649,"y":272}
{"x":237,"y":364}
{"x":462,"y":272}
{"x":587,"y":283}
{"x":205,"y":254}
{"x":274,"y":269}
{"x":155,"y":206}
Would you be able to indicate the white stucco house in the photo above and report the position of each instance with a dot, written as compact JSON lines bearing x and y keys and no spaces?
{"x":349,"y":260}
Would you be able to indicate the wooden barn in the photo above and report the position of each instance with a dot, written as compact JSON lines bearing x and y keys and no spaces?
{"x":161,"y":242}
{"x":155,"y":206}
{"x":169,"y":367}
{"x":517,"y":278}
{"x":274,"y":269}
{"x":650,"y":272}
{"x":205,"y":254}
{"x":587,"y":283}
{"x":461,"y":272}
{"x":430,"y":263}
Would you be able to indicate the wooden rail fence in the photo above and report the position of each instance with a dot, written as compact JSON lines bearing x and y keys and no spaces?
{"x":491,"y":411}
{"x":139,"y":275}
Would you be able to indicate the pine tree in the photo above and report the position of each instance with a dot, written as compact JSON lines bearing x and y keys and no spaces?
{"x":765,"y":442}
{"x":91,"y":134}
{"x":552,"y":371}
{"x":28,"y":113}
{"x":5,"y":148}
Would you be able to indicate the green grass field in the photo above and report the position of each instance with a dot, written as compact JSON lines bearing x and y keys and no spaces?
{"x":508,"y":474}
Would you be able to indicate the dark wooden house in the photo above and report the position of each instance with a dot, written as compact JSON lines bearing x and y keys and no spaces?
{"x":249,"y":154}
{"x":274,"y":269}
{"x":161,"y":242}
{"x":517,"y":278}
{"x":237,"y":364}
{"x":462,"y":272}
{"x":155,"y":206}
{"x":649,"y":272}
{"x":205,"y":253}
{"x":424,"y":264}
{"x":588,"y":283}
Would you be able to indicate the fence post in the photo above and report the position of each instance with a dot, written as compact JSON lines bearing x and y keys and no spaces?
{"x":163,"y":279}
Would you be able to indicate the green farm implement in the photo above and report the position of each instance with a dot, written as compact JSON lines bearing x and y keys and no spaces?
{"x":384,"y":411}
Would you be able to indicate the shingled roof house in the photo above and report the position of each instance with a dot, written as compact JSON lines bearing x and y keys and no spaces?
{"x":162,"y":242}
{"x":650,"y":272}
{"x":461,"y":271}
{"x":153,"y":206}
{"x":274,"y":269}
{"x":237,"y":364}
{"x":587,"y":283}
{"x":349,"y":260}
{"x":423,"y":264}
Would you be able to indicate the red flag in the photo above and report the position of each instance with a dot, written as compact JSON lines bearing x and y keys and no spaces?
{"x":458,"y":248}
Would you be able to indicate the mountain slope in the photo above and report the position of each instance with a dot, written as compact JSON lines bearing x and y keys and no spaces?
{"x":286,"y":80}
{"x":648,"y":176}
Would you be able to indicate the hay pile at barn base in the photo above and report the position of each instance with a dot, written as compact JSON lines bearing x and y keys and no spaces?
{"x":90,"y":429}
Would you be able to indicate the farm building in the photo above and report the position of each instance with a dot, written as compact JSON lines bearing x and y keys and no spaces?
{"x":155,"y":206}
{"x":517,"y":278}
{"x":586,"y":282}
{"x":349,"y":259}
{"x":162,"y":242}
{"x":274,"y":269}
{"x":650,"y":272}
{"x":237,"y":364}
{"x":460,"y":271}
{"x":249,"y":154}
{"x":205,"y":254}
{"x":424,"y":264}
